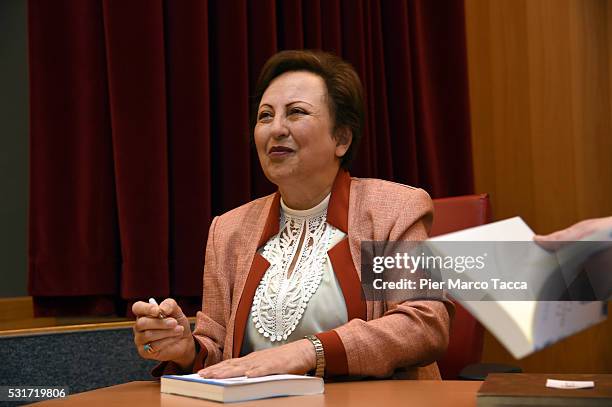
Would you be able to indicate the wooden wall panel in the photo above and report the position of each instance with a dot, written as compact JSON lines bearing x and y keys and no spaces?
{"x":540,"y":91}
{"x":540,"y":86}
{"x":549,"y":65}
{"x":609,"y":28}
{"x":592,"y":123}
{"x":499,"y":97}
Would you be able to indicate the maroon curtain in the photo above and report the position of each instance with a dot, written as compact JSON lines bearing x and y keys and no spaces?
{"x":139,"y":127}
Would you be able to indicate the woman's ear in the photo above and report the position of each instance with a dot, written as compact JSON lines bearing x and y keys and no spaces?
{"x":344,"y":138}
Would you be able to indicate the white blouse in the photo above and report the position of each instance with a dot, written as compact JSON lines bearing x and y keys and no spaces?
{"x":299,"y":294}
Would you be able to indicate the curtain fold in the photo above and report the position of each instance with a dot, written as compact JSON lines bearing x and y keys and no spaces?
{"x":137,"y":97}
{"x":139,"y":127}
{"x":189,"y":153}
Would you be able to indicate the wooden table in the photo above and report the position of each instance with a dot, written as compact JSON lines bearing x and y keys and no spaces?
{"x":376,"y":393}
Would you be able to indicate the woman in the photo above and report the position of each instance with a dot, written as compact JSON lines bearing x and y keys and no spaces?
{"x":281,"y":288}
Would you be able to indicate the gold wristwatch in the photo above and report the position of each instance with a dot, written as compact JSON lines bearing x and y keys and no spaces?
{"x":320,"y":354}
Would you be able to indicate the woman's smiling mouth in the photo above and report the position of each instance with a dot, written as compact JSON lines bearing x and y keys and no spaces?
{"x":280,"y":151}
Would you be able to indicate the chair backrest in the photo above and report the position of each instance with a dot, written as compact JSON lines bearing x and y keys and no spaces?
{"x":466,"y":333}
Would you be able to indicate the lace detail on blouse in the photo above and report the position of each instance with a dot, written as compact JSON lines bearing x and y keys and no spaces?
{"x":283,"y":294}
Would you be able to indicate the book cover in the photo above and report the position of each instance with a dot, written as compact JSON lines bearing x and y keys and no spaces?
{"x":241,"y":388}
{"x":529,"y":389}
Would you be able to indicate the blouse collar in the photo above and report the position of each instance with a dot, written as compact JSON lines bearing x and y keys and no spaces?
{"x":305,"y":213}
{"x":337,"y":208}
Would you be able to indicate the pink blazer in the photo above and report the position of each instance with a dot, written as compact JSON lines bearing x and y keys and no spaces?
{"x":380,"y":338}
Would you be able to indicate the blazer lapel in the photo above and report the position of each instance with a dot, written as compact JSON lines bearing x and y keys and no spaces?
{"x":259,"y":265}
{"x":340,"y":254}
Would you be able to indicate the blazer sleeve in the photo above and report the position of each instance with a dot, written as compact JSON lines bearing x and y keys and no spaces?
{"x":412,"y":333}
{"x":210,"y":326}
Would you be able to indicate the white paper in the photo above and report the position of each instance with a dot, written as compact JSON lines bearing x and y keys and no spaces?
{"x":509,"y":230}
{"x":567,"y":384}
{"x":527,"y":326}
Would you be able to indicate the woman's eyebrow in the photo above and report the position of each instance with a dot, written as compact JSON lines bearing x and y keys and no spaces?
{"x":286,"y":105}
{"x":298,"y":101}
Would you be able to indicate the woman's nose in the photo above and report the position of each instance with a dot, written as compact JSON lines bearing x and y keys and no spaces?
{"x":278,"y":127}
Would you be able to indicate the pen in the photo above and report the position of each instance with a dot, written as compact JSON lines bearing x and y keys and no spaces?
{"x":153,"y":302}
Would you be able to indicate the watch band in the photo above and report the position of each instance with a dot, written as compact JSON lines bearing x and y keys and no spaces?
{"x":320,"y":355}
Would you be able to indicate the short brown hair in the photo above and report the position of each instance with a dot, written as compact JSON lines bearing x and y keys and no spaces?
{"x":344,"y":91}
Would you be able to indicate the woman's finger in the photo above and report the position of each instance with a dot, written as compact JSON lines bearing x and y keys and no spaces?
{"x":170,"y":308}
{"x":147,"y":323}
{"x":223,"y":372}
{"x":224,"y":366}
{"x":144,"y":309}
{"x":151,"y":335}
{"x":258,"y":372}
{"x":558,"y":239}
{"x":162,"y":346}
{"x":548,"y":244}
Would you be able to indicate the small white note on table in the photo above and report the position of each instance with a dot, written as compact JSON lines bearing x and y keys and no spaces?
{"x":567,"y":384}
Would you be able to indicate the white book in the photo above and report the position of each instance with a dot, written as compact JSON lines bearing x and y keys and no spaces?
{"x":524,"y":327}
{"x":241,"y":388}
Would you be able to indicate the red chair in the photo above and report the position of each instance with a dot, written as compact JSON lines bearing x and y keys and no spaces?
{"x":466,"y":333}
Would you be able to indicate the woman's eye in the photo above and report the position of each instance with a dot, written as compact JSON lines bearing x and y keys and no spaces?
{"x":264,"y":116}
{"x":296,"y":110}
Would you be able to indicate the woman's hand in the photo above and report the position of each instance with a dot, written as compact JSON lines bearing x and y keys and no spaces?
{"x":294,"y":358}
{"x":167,"y":339}
{"x":558,"y":239}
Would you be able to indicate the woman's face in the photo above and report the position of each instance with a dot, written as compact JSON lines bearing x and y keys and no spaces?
{"x":293,"y":134}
